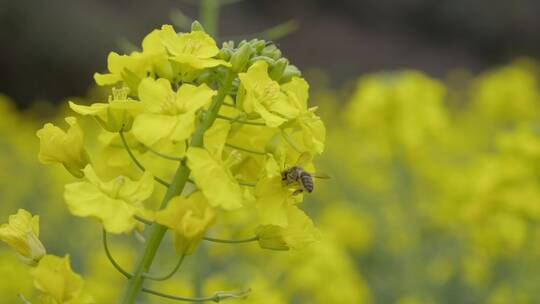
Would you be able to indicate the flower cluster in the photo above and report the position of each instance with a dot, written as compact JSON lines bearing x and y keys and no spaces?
{"x":234,"y":120}
{"x":53,"y":277}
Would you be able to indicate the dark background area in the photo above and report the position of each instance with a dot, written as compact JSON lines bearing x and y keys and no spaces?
{"x":50,"y":49}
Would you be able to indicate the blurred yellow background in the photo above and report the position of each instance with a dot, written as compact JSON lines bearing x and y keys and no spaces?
{"x":434,"y":197}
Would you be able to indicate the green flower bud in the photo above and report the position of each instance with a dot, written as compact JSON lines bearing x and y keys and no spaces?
{"x":258,"y":45}
{"x":240,"y":58}
{"x":271,"y":51}
{"x":204,"y":77}
{"x":242,"y":43}
{"x":196,"y":26}
{"x":268,"y":60}
{"x":276,"y":71}
{"x":228,"y":44}
{"x":290,"y":72}
{"x":225,"y":54}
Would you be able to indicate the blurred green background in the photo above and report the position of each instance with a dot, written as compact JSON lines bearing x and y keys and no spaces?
{"x":433,"y":145}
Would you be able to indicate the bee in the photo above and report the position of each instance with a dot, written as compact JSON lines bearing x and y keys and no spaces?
{"x":297,"y":175}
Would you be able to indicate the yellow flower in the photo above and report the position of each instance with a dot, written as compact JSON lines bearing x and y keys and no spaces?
{"x":118,"y":113}
{"x":263,"y":96}
{"x":298,"y":233}
{"x":192,"y":51}
{"x":22,"y":233}
{"x":214,"y":179}
{"x":63,"y":147}
{"x":271,"y":196}
{"x":114,"y":202}
{"x":168,"y":114}
{"x":134,"y":67}
{"x":313,"y":132}
{"x":59,"y":284}
{"x":188,"y":218}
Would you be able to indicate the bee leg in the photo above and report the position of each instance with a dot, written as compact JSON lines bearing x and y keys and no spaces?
{"x":298,"y":191}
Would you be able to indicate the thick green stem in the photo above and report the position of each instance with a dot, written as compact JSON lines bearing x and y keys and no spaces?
{"x":157,"y":231}
{"x":209,"y":11}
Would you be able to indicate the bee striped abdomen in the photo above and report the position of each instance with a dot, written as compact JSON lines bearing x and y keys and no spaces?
{"x":307,"y":181}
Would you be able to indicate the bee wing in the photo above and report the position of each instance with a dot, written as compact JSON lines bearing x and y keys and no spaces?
{"x":304,"y":159}
{"x":320,"y":175}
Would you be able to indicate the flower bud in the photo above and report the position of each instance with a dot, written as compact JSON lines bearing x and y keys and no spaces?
{"x":204,"y":77}
{"x":276,"y":71}
{"x":267,"y":59}
{"x":242,"y":43}
{"x":22,"y":234}
{"x":258,"y":45}
{"x":228,"y":44}
{"x":66,"y":148}
{"x":225,"y":54}
{"x":271,"y":51}
{"x":196,"y":26}
{"x":240,"y":58}
{"x":290,"y":72}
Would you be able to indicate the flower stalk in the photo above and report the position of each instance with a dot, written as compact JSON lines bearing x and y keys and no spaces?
{"x":157,"y":231}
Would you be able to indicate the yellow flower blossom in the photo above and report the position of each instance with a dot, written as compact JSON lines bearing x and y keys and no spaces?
{"x":58,"y":282}
{"x":298,"y":233}
{"x":188,"y":217}
{"x":63,"y":147}
{"x":22,"y":233}
{"x":272,"y":198}
{"x":118,"y":113}
{"x":192,"y":51}
{"x":114,"y":202}
{"x":263,"y":96}
{"x":134,"y":67}
{"x":313,"y":132}
{"x":168,"y":114}
{"x":214,"y":179}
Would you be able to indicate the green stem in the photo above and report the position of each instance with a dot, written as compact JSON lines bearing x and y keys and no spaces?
{"x":157,"y":231}
{"x":143,"y":220}
{"x":163,"y":155}
{"x":246,"y":183}
{"x":217,"y":297}
{"x":136,"y":161}
{"x":170,"y":274}
{"x":290,"y":141}
{"x":248,"y":240}
{"x":245,"y":149}
{"x":245,"y":122}
{"x":209,"y":12}
{"x":111,"y":259}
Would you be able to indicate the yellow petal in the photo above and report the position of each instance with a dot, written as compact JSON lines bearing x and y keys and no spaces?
{"x":54,"y":277}
{"x":214,"y":180}
{"x":114,"y":202}
{"x":84,"y":199}
{"x":188,"y":218}
{"x":150,"y":128}
{"x":22,"y":234}
{"x":66,"y":148}
{"x":156,"y":94}
{"x":297,"y":234}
